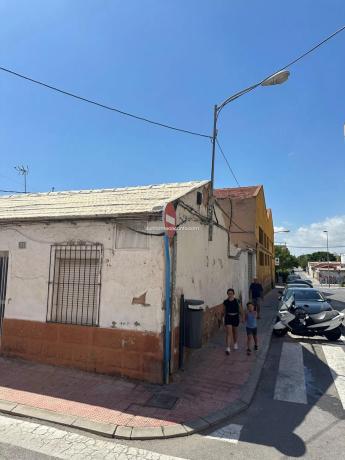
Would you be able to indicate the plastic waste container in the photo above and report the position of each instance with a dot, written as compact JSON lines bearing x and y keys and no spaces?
{"x":194,"y":323}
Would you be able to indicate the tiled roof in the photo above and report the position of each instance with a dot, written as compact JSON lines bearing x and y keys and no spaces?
{"x":237,"y":193}
{"x":92,"y":203}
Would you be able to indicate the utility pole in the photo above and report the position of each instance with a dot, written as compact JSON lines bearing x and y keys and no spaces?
{"x":211,"y":196}
{"x":275,"y":79}
{"x":23,"y":171}
{"x":329,"y":285}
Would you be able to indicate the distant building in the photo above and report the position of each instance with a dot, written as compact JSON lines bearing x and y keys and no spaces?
{"x":327,"y":272}
{"x":251,"y":228}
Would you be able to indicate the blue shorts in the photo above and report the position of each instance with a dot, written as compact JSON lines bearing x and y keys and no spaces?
{"x":251,"y":331}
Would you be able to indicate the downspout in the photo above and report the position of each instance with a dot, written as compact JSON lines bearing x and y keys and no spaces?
{"x":167,"y":338}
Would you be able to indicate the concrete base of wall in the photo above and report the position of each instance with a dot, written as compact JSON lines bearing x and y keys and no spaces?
{"x":126,"y":353}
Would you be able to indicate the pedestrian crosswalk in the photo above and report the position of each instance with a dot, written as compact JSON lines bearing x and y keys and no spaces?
{"x":290,"y":383}
{"x":289,"y":377}
{"x":229,"y":433}
{"x":336,"y":361}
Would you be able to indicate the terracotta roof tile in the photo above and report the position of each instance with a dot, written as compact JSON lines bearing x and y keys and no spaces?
{"x":237,"y":193}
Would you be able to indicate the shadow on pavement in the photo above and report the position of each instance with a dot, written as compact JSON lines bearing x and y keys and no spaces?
{"x":275,"y":423}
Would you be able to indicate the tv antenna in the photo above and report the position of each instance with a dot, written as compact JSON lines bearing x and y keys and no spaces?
{"x":23,"y":171}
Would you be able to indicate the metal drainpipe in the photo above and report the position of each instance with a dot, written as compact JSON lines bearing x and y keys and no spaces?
{"x":167,"y":338}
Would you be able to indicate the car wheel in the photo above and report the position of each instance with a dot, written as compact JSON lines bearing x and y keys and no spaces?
{"x":280,"y":332}
{"x":333,"y":335}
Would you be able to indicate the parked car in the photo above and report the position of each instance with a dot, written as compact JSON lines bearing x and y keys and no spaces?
{"x":289,"y":290}
{"x":293,"y":277}
{"x":300,"y":282}
{"x":311,"y":300}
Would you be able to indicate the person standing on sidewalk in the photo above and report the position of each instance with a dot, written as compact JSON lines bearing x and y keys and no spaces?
{"x":256,"y":293}
{"x":232,"y":313}
{"x":251,"y":328}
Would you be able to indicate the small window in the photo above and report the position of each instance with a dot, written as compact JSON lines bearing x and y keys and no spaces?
{"x":261,"y":258}
{"x":131,"y":235}
{"x":75,"y":284}
{"x":261,"y":236}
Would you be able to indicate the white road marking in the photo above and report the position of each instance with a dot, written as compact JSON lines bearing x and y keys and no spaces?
{"x":335,"y":357}
{"x":290,"y":384}
{"x":229,"y":433}
{"x":67,"y":445}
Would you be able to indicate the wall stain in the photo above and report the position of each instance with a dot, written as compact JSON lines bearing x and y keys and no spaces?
{"x":141,"y":300}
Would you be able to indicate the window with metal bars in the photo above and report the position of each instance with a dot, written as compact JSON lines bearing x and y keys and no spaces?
{"x":74,"y":286}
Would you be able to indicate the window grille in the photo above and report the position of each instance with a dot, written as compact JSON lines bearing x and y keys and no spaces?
{"x":74,"y":287}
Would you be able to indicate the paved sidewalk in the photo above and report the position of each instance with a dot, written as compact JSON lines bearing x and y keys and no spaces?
{"x":213,"y":387}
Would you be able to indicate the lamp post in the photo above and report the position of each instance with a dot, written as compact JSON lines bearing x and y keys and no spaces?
{"x":275,"y":79}
{"x":282,"y":231}
{"x":329,"y":285}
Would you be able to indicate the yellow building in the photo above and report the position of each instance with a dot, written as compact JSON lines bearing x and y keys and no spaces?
{"x":251,"y":227}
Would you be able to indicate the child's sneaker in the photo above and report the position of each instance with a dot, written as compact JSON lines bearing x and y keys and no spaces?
{"x":256,"y":347}
{"x":235,"y":346}
{"x":227,"y":351}
{"x":248,"y":351}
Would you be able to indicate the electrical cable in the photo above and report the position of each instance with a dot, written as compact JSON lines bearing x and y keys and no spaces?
{"x":107,"y":107}
{"x":309,"y":51}
{"x":227,"y":162}
{"x":308,"y":247}
{"x":147,"y":120}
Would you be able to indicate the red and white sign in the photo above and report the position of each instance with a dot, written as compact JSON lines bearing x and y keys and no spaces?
{"x":169,"y":220}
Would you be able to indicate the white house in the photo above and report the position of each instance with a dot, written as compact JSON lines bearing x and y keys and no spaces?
{"x":88,"y":279}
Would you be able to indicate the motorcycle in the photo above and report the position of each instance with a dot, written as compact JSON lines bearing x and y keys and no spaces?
{"x":295,"y":319}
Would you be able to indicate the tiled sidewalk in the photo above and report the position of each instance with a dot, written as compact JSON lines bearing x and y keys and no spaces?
{"x":210,"y":382}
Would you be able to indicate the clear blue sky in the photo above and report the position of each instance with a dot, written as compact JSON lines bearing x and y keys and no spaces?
{"x":172,"y":61}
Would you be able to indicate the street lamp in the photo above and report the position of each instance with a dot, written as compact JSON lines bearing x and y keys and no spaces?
{"x":275,"y":79}
{"x":282,"y":231}
{"x":329,"y":285}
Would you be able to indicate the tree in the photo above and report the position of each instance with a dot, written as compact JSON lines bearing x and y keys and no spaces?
{"x":286,"y":260}
{"x":319,"y":256}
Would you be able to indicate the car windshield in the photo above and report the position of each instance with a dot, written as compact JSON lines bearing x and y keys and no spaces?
{"x":308,"y":294}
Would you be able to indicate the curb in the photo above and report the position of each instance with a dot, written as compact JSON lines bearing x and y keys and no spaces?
{"x":143,"y":433}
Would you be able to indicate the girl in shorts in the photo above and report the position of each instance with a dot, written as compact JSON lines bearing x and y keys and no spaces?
{"x":232,"y":314}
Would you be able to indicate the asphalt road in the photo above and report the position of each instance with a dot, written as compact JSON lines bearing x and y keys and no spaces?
{"x":298,"y":412}
{"x":309,"y":425}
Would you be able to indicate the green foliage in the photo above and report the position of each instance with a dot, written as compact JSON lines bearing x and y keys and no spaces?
{"x":319,"y":256}
{"x":286,"y":260}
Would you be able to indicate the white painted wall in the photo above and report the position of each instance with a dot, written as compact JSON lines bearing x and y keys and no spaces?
{"x":126,"y":273}
{"x":204,"y":270}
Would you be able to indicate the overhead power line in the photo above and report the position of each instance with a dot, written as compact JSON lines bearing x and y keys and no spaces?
{"x":312,"y":49}
{"x":103,"y":106}
{"x":309,"y":247}
{"x":227,"y":162}
{"x":10,"y":191}
{"x":144,"y":119}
